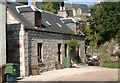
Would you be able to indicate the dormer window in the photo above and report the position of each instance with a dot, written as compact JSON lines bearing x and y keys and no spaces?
{"x":38,"y":19}
{"x":77,"y":28}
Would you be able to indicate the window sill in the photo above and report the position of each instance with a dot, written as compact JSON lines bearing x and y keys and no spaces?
{"x":41,"y":64}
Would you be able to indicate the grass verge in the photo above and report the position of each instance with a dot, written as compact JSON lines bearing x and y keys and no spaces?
{"x":111,"y":64}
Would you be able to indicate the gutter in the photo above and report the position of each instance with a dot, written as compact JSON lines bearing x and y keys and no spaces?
{"x":55,"y":32}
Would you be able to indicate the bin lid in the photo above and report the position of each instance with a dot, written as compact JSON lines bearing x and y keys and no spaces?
{"x":9,"y":64}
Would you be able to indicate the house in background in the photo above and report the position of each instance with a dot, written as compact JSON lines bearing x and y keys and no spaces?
{"x":36,"y":37}
{"x":72,"y":9}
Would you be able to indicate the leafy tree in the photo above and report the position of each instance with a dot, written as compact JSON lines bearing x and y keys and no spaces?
{"x":83,"y":28}
{"x":95,"y":20}
{"x":110,"y":20}
{"x":103,"y":23}
{"x":25,"y":2}
{"x":52,"y":7}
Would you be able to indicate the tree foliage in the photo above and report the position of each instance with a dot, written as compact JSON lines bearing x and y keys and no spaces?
{"x":83,"y":28}
{"x":52,"y":7}
{"x":72,"y":45}
{"x":24,"y":3}
{"x":103,"y":23}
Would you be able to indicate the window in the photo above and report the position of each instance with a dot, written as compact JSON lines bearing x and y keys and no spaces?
{"x":77,"y":28}
{"x":39,"y":52}
{"x":65,"y":50}
{"x":37,"y":19}
{"x":78,"y":11}
{"x":59,"y":52}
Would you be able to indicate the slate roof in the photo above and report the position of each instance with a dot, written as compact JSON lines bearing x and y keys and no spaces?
{"x":83,"y":7}
{"x":26,"y":9}
{"x":11,"y":7}
{"x":53,"y":19}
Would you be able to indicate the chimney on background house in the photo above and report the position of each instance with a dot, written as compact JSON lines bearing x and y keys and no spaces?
{"x":34,"y":2}
{"x":96,"y":1}
{"x":71,"y":2}
{"x":62,"y":7}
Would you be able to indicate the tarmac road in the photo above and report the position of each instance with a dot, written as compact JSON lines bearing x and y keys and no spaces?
{"x":105,"y":74}
{"x":76,"y":74}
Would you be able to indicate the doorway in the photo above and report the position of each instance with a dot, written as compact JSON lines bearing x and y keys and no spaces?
{"x":59,"y":52}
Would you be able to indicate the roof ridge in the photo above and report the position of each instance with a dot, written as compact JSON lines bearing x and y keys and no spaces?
{"x":75,"y":4}
{"x":54,"y":18}
{"x":35,"y":8}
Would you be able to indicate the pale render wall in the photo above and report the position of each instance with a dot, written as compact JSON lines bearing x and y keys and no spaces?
{"x":2,"y":33}
{"x":15,"y":41}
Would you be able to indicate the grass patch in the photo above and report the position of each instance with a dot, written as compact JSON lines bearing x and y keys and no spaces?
{"x":81,"y":16}
{"x":111,"y":64}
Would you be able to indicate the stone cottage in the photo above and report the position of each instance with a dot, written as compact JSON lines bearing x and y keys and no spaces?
{"x":37,"y":37}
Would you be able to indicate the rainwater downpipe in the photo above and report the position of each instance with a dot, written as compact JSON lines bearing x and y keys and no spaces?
{"x":27,"y":57}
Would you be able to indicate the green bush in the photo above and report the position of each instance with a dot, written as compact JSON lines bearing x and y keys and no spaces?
{"x":57,"y":62}
{"x":117,"y":54}
{"x":81,"y":16}
{"x":72,"y":45}
{"x":75,"y":61}
{"x":92,"y":48}
{"x":34,"y":66}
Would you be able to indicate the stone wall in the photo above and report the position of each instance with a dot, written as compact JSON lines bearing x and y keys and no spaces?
{"x":50,"y":43}
{"x":22,"y":47}
{"x":106,"y":51}
{"x":62,"y":13}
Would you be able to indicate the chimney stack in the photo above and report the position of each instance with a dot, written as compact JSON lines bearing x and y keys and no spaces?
{"x":71,"y":2}
{"x":96,"y":1}
{"x":34,"y":2}
{"x":62,"y":6}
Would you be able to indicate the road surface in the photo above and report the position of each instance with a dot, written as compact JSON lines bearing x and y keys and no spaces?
{"x":76,"y":74}
{"x":104,"y":74}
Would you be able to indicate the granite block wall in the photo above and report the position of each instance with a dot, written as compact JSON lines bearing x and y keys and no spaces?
{"x":50,"y":43}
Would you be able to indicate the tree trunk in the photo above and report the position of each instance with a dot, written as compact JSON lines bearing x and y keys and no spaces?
{"x":96,"y":39}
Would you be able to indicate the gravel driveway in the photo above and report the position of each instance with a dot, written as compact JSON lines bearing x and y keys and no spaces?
{"x":74,"y":74}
